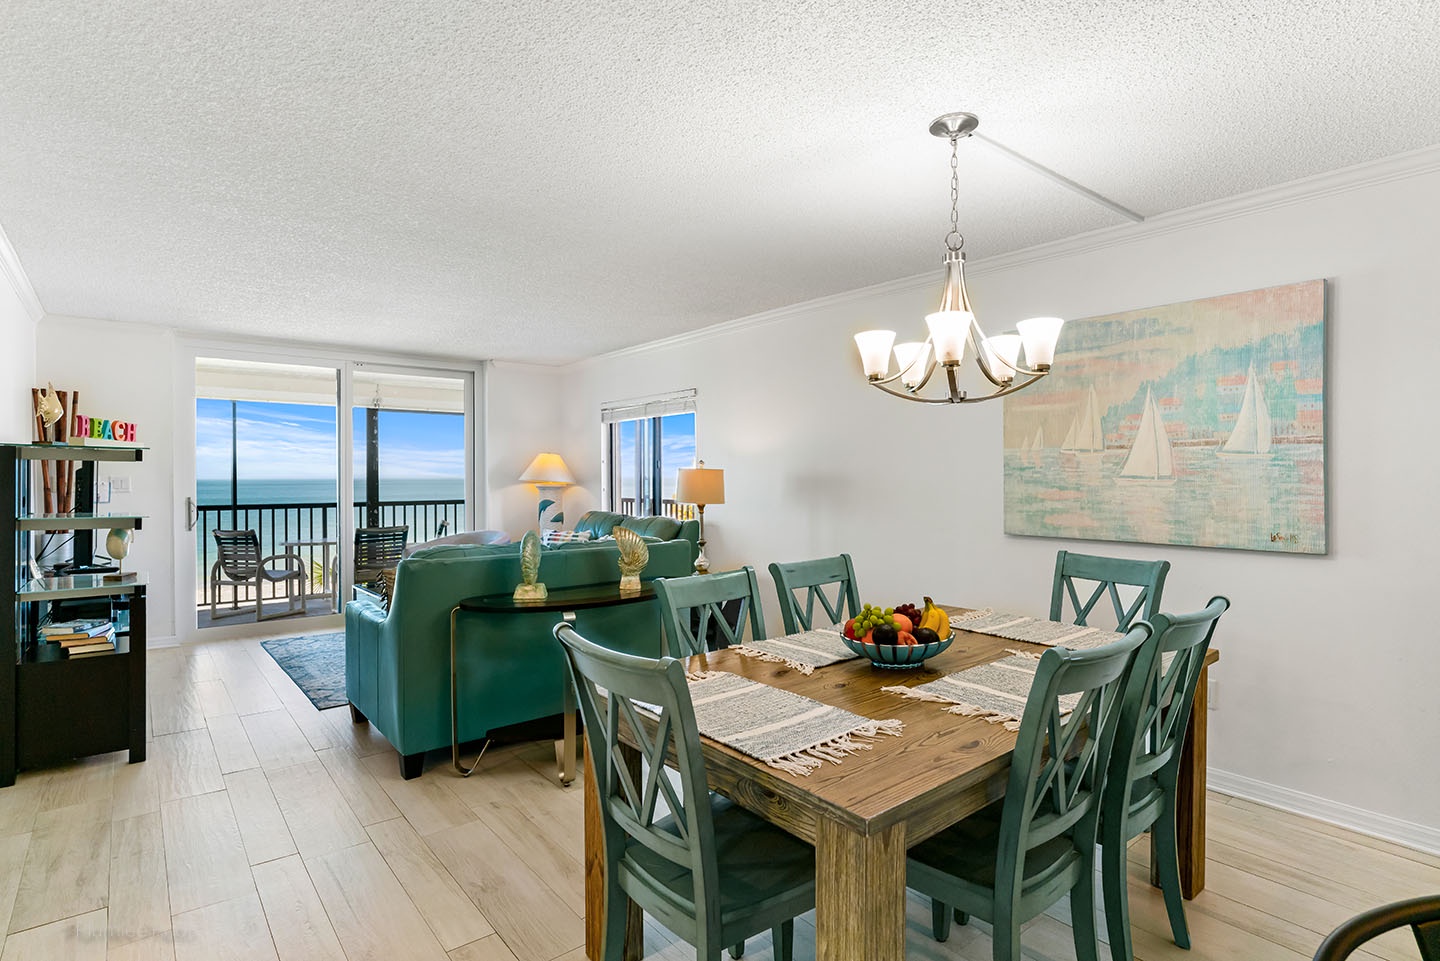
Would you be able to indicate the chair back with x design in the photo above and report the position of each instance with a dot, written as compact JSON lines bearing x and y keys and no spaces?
{"x":612,"y":687}
{"x":1061,"y":754}
{"x":1142,"y":787}
{"x":705,"y":596}
{"x":1109,"y":573}
{"x":814,"y":577}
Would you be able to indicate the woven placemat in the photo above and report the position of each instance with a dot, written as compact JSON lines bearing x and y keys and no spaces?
{"x":1032,"y":630}
{"x":996,"y":692}
{"x":804,"y":651}
{"x":787,"y":731}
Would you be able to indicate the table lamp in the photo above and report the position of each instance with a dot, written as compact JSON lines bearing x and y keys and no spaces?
{"x":549,"y":473}
{"x":700,"y":485}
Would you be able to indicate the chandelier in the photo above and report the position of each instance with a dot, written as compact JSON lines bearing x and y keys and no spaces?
{"x":954,"y":326}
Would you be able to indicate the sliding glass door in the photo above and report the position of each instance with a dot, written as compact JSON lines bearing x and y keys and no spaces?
{"x":409,"y":451}
{"x":278,"y":474}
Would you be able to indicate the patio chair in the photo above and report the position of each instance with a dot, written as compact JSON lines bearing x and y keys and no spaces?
{"x":378,"y":549}
{"x":240,"y":565}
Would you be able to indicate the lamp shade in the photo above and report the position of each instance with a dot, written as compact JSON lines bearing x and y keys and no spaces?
{"x":700,"y":485}
{"x":549,"y":469}
{"x":1040,"y":335}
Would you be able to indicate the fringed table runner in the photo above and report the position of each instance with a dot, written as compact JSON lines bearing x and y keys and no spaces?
{"x":804,"y":652}
{"x":995,"y":692}
{"x":1032,"y":630}
{"x":787,"y":731}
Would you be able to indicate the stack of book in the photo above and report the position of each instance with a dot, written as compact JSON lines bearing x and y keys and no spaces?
{"x":81,"y":638}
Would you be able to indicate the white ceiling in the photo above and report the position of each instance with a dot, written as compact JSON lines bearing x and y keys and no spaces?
{"x":548,"y":181}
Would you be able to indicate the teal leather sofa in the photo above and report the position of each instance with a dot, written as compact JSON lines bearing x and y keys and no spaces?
{"x":602,"y":523}
{"x":510,"y":667}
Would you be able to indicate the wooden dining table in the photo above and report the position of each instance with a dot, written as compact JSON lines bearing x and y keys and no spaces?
{"x":863,"y":813}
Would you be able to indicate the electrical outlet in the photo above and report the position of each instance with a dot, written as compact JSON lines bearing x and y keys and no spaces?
{"x":1212,"y":693}
{"x":121,"y":485}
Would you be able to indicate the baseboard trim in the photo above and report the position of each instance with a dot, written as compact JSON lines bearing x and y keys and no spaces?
{"x":156,"y":643}
{"x":1382,"y":826}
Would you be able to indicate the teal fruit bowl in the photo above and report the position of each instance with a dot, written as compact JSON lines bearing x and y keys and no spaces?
{"x":897,"y":657}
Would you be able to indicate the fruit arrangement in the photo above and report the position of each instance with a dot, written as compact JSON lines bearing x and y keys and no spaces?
{"x":901,"y":626}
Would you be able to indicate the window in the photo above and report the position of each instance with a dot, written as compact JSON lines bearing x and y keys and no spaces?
{"x":645,"y":444}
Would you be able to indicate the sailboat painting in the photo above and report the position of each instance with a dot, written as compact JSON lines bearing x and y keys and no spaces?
{"x":1199,"y":423}
{"x":1084,"y":442}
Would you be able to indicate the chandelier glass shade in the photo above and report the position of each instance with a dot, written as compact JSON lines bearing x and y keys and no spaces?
{"x":953,"y":328}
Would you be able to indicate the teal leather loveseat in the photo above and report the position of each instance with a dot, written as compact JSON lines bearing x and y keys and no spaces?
{"x":603,"y":523}
{"x":510,"y":667}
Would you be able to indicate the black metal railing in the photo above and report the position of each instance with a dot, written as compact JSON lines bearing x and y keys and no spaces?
{"x":668,"y":508}
{"x":309,"y":530}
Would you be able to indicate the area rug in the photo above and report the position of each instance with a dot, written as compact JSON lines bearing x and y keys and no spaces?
{"x":316,"y":663}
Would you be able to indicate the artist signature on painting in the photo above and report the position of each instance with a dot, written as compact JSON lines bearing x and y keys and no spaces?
{"x":1280,"y":537}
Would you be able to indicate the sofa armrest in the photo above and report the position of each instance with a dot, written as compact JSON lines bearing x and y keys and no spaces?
{"x":364,"y":623}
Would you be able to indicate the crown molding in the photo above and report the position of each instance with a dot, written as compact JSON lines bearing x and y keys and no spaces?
{"x":18,"y":280}
{"x":929,"y":279}
{"x":314,"y":351}
{"x":1415,"y":163}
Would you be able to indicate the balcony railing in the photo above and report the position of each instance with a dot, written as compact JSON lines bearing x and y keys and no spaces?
{"x":275,"y":524}
{"x":668,"y":508}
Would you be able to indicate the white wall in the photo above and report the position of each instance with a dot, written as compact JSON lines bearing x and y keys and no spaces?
{"x":523,"y":414}
{"x":1329,"y":672}
{"x":17,"y":357}
{"x":126,"y":372}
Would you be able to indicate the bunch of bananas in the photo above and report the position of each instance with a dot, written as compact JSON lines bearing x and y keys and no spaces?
{"x":935,"y":619}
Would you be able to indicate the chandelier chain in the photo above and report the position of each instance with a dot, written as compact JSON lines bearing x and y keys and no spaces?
{"x":954,"y":240}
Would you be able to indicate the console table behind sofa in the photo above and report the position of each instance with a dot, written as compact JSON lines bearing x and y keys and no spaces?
{"x":397,"y":663}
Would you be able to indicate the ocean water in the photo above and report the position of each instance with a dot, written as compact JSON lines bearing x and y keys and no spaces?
{"x":319,"y":523}
{"x":273,"y":491}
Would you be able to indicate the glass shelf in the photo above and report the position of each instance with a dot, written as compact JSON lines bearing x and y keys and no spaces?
{"x":78,"y":452}
{"x":78,"y":585}
{"x":78,"y":521}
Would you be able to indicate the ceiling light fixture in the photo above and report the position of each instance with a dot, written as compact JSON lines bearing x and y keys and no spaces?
{"x":954,"y":324}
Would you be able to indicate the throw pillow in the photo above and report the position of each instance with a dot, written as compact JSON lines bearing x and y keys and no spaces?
{"x":665,"y":528}
{"x":563,"y":537}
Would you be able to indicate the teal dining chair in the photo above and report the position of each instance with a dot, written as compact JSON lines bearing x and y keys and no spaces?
{"x":693,"y":608}
{"x":1108,"y":573}
{"x":1010,"y":861}
{"x":708,"y":870}
{"x":1141,"y":788}
{"x":813,"y":577}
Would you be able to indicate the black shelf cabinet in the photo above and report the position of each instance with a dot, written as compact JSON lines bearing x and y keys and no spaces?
{"x":54,"y":708}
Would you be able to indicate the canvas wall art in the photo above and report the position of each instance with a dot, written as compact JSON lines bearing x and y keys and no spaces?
{"x":1200,"y":423}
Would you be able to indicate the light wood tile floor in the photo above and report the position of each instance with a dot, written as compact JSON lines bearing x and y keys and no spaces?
{"x":262,"y":828}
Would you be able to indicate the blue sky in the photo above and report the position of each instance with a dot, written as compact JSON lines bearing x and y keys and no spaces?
{"x":297,"y":442}
{"x":677,"y":450}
